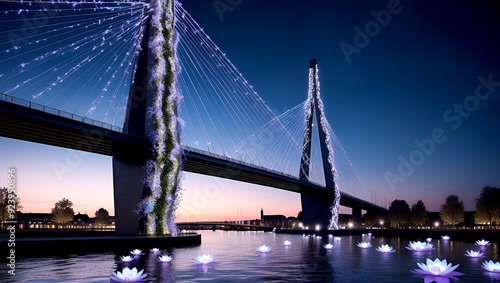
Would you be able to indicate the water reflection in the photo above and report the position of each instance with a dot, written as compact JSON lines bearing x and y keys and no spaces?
{"x":237,"y":260}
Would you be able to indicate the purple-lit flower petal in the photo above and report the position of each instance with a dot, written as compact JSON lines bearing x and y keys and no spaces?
{"x":419,"y":246}
{"x":204,"y":259}
{"x":364,"y":245}
{"x":491,"y":266}
{"x":482,"y":243}
{"x":328,"y":246}
{"x":264,"y":248}
{"x":165,"y":258}
{"x":136,"y":252}
{"x":385,"y":249}
{"x":126,"y":258}
{"x":472,"y":253}
{"x":128,"y":275}
{"x":436,"y":268}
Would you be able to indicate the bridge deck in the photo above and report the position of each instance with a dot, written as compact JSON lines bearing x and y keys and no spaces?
{"x":19,"y":122}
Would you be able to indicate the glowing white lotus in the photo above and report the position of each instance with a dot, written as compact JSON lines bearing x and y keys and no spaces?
{"x":165,"y":258}
{"x":127,"y":258}
{"x":482,"y":243}
{"x":428,"y":239}
{"x":436,"y":268}
{"x":472,"y":253}
{"x":336,"y":238}
{"x":364,"y":245}
{"x":128,"y":275}
{"x":136,"y":252}
{"x":385,"y":249}
{"x":328,"y":246}
{"x":264,"y":249}
{"x":155,"y":250}
{"x":204,"y":259}
{"x":445,"y":237}
{"x":287,"y":243}
{"x":419,"y":246}
{"x":491,"y":266}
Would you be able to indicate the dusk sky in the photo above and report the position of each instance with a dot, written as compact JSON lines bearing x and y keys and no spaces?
{"x":429,"y":72}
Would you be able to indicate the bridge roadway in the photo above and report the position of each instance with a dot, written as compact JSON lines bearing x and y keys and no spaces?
{"x":26,"y":122}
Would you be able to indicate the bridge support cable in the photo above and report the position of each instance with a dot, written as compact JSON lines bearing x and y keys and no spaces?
{"x":92,"y":43}
{"x":232,"y":96}
{"x":347,"y":176}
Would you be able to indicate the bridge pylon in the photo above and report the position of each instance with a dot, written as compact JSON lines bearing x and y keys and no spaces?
{"x":129,"y":173}
{"x":318,"y":209}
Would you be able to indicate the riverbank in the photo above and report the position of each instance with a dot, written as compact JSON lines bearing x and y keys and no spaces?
{"x":64,"y":245}
{"x":467,"y":235}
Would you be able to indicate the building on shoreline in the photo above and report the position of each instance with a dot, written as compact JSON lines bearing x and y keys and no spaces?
{"x":44,"y":221}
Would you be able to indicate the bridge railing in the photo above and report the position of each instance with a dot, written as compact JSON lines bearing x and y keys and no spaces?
{"x":64,"y":114}
{"x":246,"y":164}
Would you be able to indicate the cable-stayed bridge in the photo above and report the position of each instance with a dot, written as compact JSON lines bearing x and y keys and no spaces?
{"x":79,"y":74}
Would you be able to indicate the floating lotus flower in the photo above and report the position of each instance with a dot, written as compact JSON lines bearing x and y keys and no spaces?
{"x":204,"y":259}
{"x":369,"y":234}
{"x":128,"y":275}
{"x":127,"y":258}
{"x":428,"y":239}
{"x":419,"y":246}
{"x":385,"y":249}
{"x":155,"y":250}
{"x":364,"y":245}
{"x":328,"y":246}
{"x":336,"y":238}
{"x":491,"y":266}
{"x":287,"y":243}
{"x":445,"y":237}
{"x":472,"y":253}
{"x":264,"y":249}
{"x":165,"y":258}
{"x":136,"y":252}
{"x":330,"y":236}
{"x":436,"y":268}
{"x":482,"y":243}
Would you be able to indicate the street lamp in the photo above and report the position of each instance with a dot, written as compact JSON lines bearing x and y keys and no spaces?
{"x":436,"y":224}
{"x":350,"y":224}
{"x":318,"y":227}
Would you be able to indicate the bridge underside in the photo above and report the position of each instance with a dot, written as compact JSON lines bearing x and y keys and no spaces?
{"x":20,"y":122}
{"x":226,"y":168}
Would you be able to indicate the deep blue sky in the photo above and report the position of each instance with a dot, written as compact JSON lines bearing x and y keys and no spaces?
{"x":396,"y":90}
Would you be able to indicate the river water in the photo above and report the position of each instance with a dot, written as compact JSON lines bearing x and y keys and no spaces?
{"x":237,"y":260}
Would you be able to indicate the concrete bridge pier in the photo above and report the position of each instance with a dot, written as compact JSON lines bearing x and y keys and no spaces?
{"x":128,"y":168}
{"x":357,"y":216}
{"x":316,"y":210}
{"x":128,"y":191}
